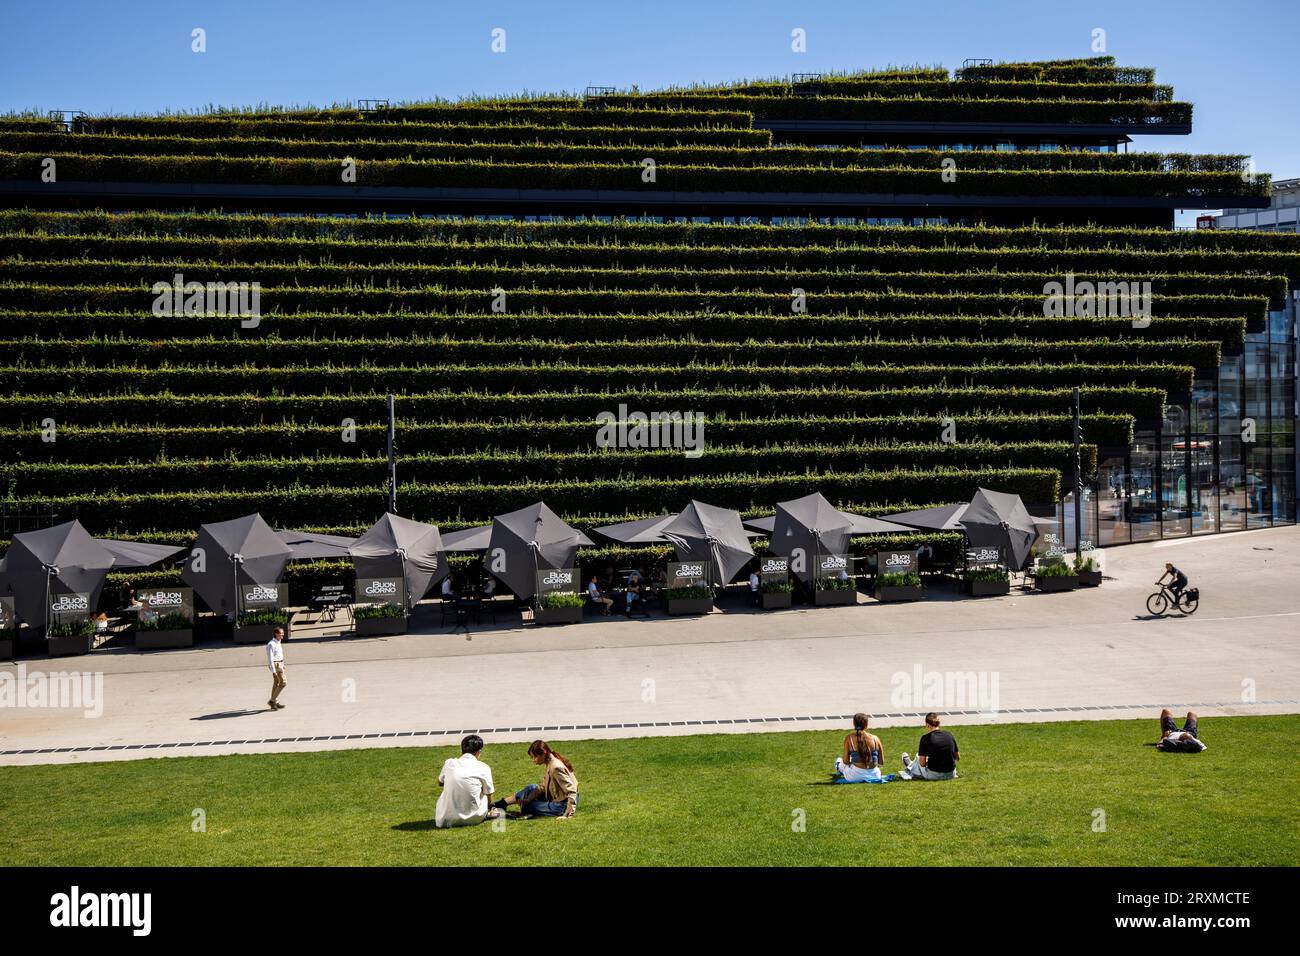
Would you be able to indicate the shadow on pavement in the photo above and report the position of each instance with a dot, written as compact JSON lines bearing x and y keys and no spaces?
{"x":232,"y":713}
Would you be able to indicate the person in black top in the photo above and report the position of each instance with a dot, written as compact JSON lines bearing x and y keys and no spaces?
{"x":936,"y":757}
{"x":1178,"y":582}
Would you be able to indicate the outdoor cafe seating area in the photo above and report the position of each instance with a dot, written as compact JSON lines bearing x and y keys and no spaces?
{"x":526,"y":567}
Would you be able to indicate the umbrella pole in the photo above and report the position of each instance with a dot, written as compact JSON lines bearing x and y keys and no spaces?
{"x":47,"y":601}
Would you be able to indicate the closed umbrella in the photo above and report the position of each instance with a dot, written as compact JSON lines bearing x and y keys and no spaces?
{"x":529,"y":540}
{"x":397,"y":547}
{"x":996,"y":519}
{"x":705,"y":533}
{"x":235,"y":553}
{"x":64,"y":559}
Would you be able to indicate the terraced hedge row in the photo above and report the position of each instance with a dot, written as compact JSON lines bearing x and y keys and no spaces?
{"x":144,"y":442}
{"x":625,"y":231}
{"x":524,"y":379}
{"x":172,"y":409}
{"x":414,"y":276}
{"x":563,"y":149}
{"x":303,"y":505}
{"x":62,"y":478}
{"x":954,"y":109}
{"x":277,"y":352}
{"x":669,"y":178}
{"x":14,"y":295}
{"x":599,"y":328}
{"x":1134,"y":263}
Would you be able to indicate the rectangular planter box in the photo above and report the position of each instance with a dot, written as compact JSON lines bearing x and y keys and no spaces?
{"x":6,"y":649}
{"x":1089,"y":579}
{"x":557,"y":615}
{"x":986,"y":588}
{"x":835,"y":597}
{"x":775,"y":599}
{"x":911,"y":592}
{"x":379,"y":626}
{"x":1056,"y":584}
{"x":67,"y":646}
{"x":259,"y":633}
{"x":690,"y":605}
{"x":150,"y":640}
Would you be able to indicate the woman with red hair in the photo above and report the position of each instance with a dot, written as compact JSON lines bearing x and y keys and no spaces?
{"x":556,"y":796}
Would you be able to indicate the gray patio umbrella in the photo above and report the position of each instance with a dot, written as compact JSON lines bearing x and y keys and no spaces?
{"x":236,"y":552}
{"x":397,"y":547}
{"x":859,"y":525}
{"x":941,"y":518}
{"x":309,"y":546}
{"x":467,"y":539}
{"x":995,"y":519}
{"x":813,"y":525}
{"x":59,"y":560}
{"x":133,"y":555}
{"x":705,"y":533}
{"x":645,"y":531}
{"x":529,"y":540}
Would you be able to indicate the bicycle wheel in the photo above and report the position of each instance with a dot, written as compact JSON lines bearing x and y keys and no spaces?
{"x":1157,"y":603}
{"x":1188,"y":604}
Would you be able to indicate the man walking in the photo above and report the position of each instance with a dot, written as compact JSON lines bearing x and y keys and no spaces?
{"x":275,"y":661}
{"x":936,"y":757}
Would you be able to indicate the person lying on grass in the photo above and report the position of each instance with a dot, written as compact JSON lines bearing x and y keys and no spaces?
{"x":556,"y":796}
{"x":862,"y":754}
{"x":936,"y":757}
{"x":1173,"y":740}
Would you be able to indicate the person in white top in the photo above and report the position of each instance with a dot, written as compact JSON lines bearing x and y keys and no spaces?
{"x":275,"y":661}
{"x":755,"y":588}
{"x":467,"y":787}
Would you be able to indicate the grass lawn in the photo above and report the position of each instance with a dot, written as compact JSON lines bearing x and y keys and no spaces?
{"x":1027,"y":795}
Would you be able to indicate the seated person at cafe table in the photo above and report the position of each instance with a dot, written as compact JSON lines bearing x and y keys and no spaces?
{"x":489,"y":587}
{"x":596,"y":596}
{"x":634,"y":594}
{"x":449,"y":587}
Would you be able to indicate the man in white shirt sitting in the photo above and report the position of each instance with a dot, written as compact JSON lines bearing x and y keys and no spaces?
{"x":467,"y":787}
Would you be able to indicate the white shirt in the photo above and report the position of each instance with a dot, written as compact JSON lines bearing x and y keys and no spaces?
{"x":446,"y":588}
{"x":274,"y":653}
{"x":753,"y":581}
{"x":466,"y":782}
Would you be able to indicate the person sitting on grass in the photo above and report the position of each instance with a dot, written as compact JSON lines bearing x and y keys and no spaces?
{"x":936,"y":756}
{"x":597,"y":596}
{"x":1173,"y":740}
{"x":556,"y":796}
{"x":862,"y":754}
{"x":467,"y":787}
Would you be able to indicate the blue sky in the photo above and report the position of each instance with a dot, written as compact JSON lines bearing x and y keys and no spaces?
{"x":1235,"y":61}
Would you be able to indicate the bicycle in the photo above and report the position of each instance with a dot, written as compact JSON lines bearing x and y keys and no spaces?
{"x":1186,"y":603}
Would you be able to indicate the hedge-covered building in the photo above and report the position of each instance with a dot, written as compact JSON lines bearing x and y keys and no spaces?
{"x":849,"y":276}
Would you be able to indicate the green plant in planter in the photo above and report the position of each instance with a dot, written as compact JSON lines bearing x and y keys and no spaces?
{"x":264,"y":616}
{"x":364,"y":612}
{"x":836,"y":584}
{"x":690,"y":593}
{"x":986,"y":575}
{"x":1082,"y":564}
{"x":1055,"y":569}
{"x":166,"y":622}
{"x":776,"y":587}
{"x":71,"y":629}
{"x":907,"y":579}
{"x":563,"y":599}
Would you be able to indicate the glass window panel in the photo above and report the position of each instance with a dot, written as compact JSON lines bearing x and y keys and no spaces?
{"x":1142,"y":511}
{"x":1232,"y":485}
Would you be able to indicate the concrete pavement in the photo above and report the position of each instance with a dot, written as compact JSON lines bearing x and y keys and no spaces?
{"x":1090,"y":654}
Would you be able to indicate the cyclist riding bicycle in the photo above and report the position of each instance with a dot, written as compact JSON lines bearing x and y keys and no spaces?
{"x":1178,"y":582}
